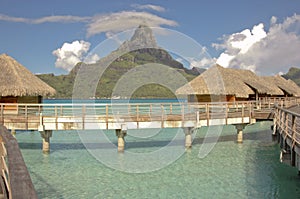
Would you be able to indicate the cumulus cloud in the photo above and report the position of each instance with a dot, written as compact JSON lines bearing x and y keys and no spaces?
{"x":265,"y":52}
{"x":149,"y":6}
{"x":239,"y":43}
{"x":72,"y":53}
{"x":120,"y":21}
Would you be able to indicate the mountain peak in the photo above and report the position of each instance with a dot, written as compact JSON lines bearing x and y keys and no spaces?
{"x":142,"y":38}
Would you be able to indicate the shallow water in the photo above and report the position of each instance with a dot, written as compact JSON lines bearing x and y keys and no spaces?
{"x":230,"y":170}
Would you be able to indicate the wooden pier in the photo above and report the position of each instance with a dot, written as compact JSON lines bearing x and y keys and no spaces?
{"x":287,"y":129}
{"x":90,"y":116}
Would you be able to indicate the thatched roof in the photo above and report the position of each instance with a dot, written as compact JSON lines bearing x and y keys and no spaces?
{"x":228,"y":81}
{"x":287,"y":86}
{"x":16,"y":80}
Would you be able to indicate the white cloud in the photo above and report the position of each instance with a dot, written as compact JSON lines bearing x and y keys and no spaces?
{"x":239,"y":43}
{"x":47,"y":19}
{"x":265,"y":52}
{"x":112,"y":22}
{"x":72,"y":53}
{"x":149,"y":6}
{"x":13,"y":19}
{"x":205,"y":62}
{"x":224,"y":59}
{"x":61,"y":19}
{"x":120,"y":21}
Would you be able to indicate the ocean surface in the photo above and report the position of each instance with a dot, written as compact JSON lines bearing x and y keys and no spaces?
{"x":230,"y":170}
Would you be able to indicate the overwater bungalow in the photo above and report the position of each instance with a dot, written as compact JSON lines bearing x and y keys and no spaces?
{"x":229,"y":84}
{"x":19,"y":85}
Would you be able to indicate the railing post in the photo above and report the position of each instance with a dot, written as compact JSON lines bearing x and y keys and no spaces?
{"x":106,"y":115}
{"x":83,"y":116}
{"x":137,"y":113}
{"x":171,"y":107}
{"x":226,"y":113}
{"x":293,"y":131}
{"x":26,"y":117}
{"x":243,"y":113}
{"x":182,"y":115}
{"x":56,"y":117}
{"x":150,"y":109}
{"x":207,"y":113}
{"x":286,"y":124}
{"x":162,"y":115}
{"x":2,"y":117}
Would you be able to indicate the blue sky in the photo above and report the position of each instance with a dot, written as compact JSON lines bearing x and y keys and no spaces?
{"x":263,"y":36}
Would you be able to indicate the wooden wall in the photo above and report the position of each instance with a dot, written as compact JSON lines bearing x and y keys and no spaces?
{"x":21,"y":99}
{"x":214,"y":98}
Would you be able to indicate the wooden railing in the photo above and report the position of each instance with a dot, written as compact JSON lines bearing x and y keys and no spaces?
{"x":15,"y":180}
{"x":287,"y":123}
{"x":30,"y":116}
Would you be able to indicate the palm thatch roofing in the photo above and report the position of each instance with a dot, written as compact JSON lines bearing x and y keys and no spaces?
{"x":16,"y":80}
{"x":288,"y":86}
{"x":229,"y":81}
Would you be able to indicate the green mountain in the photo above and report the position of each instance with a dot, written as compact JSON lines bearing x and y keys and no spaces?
{"x":293,"y":74}
{"x":141,"y":50}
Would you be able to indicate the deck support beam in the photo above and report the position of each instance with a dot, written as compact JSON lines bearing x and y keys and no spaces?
{"x":188,"y":131}
{"x":240,"y":128}
{"x":46,"y":135}
{"x":121,"y":133}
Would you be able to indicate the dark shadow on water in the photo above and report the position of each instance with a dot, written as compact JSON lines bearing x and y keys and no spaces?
{"x":49,"y":187}
{"x":142,"y":143}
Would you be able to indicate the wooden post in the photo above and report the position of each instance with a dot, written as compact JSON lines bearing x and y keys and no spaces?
{"x":26,"y":117}
{"x":150,"y":109}
{"x":2,"y":118}
{"x":226,"y":113}
{"x":137,"y":113}
{"x":243,"y":112}
{"x":137,"y":116}
{"x":106,"y":115}
{"x":188,"y":137}
{"x":162,"y":115}
{"x":121,"y":133}
{"x":293,"y":131}
{"x":171,"y":107}
{"x":286,"y":125}
{"x":129,"y":109}
{"x":207,"y":114}
{"x":61,"y":110}
{"x":46,"y":140}
{"x":83,"y":116}
{"x":182,"y":115}
{"x":56,"y":117}
{"x":240,"y":128}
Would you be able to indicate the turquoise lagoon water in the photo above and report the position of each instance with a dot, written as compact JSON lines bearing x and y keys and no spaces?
{"x":230,"y":170}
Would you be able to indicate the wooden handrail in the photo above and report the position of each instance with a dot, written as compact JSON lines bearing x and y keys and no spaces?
{"x":15,"y":179}
{"x":285,"y":122}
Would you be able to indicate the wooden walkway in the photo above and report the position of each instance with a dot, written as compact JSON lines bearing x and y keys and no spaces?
{"x":121,"y":117}
{"x":134,"y":116}
{"x":287,"y":129}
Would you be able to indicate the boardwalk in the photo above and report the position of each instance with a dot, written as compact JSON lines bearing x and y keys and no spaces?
{"x":120,"y":117}
{"x":287,"y":130}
